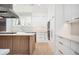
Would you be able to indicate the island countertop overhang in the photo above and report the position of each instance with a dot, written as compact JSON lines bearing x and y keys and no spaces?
{"x":19,"y":33}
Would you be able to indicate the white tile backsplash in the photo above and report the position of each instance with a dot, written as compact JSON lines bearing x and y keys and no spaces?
{"x":66,"y":28}
{"x":20,"y":28}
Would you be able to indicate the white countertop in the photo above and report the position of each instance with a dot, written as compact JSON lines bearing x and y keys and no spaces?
{"x":70,"y":37}
{"x":21,"y":33}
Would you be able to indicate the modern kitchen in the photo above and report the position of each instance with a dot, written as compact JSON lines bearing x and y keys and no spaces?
{"x":39,"y":29}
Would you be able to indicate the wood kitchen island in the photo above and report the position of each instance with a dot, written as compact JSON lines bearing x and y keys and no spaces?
{"x":19,"y":43}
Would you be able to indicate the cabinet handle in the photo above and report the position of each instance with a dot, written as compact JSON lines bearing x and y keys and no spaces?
{"x":76,"y":18}
{"x":61,"y":43}
{"x":60,"y":37}
{"x":60,"y":51}
{"x":76,"y":53}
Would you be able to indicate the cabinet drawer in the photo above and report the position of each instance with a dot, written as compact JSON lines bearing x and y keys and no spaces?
{"x":58,"y":52}
{"x":59,"y":46}
{"x":69,"y":52}
{"x":64,"y":41}
{"x":65,"y":50}
{"x":75,"y":46}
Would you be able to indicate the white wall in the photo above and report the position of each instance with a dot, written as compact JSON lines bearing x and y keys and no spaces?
{"x":39,"y":16}
{"x":51,"y":11}
{"x":59,"y":17}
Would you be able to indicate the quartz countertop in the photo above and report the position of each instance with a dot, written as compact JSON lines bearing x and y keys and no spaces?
{"x":20,"y":33}
{"x":69,"y":37}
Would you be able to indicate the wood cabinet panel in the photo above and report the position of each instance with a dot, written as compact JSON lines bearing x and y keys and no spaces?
{"x":20,"y":44}
{"x":6,"y":42}
{"x":20,"y":52}
{"x":32,"y":44}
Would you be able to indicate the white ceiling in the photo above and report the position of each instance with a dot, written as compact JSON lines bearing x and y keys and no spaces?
{"x":30,"y":8}
{"x":22,"y":8}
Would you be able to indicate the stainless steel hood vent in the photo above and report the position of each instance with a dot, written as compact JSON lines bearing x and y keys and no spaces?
{"x":7,"y":13}
{"x":3,"y":11}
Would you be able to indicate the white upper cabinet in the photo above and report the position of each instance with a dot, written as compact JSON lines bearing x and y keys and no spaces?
{"x":75,"y":11}
{"x":71,"y":11}
{"x":67,"y":12}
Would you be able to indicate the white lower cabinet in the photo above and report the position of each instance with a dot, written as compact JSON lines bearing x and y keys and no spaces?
{"x":66,"y":47}
{"x":65,"y":50}
{"x":69,"y":52}
{"x":63,"y":41}
{"x":75,"y":47}
{"x":58,"y":52}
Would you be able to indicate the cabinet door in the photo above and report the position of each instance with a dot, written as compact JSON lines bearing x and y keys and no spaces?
{"x":71,"y":11}
{"x":6,"y":42}
{"x":67,"y":12}
{"x":75,"y":11}
{"x":75,"y":47}
{"x":20,"y":45}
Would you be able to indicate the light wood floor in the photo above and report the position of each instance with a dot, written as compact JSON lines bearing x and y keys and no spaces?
{"x":43,"y":49}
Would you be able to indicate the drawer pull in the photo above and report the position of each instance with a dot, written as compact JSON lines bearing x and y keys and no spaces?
{"x":60,"y":37}
{"x":61,"y":43}
{"x":60,"y":51}
{"x":76,"y":53}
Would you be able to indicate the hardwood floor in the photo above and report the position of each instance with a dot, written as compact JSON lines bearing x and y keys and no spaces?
{"x":43,"y":49}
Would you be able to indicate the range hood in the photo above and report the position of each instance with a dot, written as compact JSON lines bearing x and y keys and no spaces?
{"x":7,"y":13}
